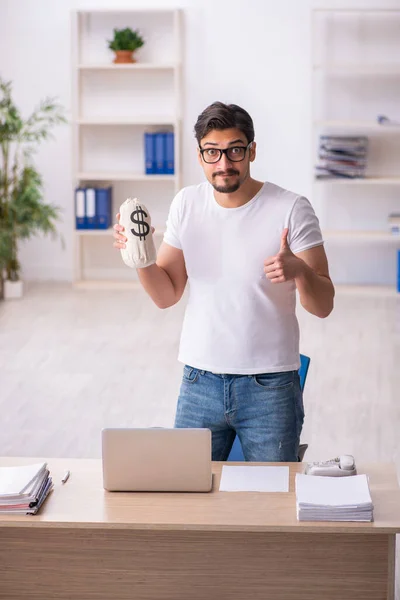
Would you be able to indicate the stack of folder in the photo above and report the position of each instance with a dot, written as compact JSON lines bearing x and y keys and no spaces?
{"x":342,"y":156}
{"x":333,"y":498}
{"x":23,"y":489}
{"x":159,"y":149}
{"x":394,"y":223}
{"x":93,"y":207}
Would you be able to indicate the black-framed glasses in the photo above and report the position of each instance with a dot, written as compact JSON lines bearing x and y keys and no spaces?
{"x":233,"y":154}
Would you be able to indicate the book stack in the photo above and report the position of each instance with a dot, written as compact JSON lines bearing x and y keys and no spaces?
{"x":333,"y":498}
{"x":23,"y":489}
{"x":342,"y":156}
{"x":159,"y":153}
{"x":93,"y":207}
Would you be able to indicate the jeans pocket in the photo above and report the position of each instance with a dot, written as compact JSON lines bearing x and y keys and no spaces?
{"x":274,"y":381}
{"x":190,"y":374}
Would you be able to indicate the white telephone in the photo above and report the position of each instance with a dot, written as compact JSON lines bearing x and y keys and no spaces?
{"x":340,"y":466}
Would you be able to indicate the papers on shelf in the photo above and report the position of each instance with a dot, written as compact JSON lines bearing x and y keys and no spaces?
{"x":23,"y":489}
{"x":254,"y":479}
{"x":342,"y":156}
{"x":333,"y":498}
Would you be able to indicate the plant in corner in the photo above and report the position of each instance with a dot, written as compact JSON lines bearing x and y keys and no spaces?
{"x":124,"y":44}
{"x":23,"y":212}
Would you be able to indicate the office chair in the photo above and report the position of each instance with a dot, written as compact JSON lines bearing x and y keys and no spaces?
{"x":236,"y":453}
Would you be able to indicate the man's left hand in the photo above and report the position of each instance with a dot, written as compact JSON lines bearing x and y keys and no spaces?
{"x":285,"y":266}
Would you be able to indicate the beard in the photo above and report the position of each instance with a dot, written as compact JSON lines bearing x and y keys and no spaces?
{"x":228,"y":187}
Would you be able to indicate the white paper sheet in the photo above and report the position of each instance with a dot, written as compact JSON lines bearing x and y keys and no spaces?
{"x":254,"y":479}
{"x":332,"y":491}
{"x":20,"y":479}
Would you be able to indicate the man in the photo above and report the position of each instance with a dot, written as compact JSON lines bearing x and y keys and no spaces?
{"x":244,"y":246}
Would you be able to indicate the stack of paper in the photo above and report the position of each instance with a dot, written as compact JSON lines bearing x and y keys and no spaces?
{"x":23,"y":489}
{"x":342,"y":156}
{"x":394,"y":223}
{"x":333,"y":498}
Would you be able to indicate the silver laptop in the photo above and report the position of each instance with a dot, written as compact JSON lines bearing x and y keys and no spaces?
{"x":157,"y":460}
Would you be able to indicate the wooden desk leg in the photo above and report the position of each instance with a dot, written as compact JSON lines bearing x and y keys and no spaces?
{"x":391,"y":567}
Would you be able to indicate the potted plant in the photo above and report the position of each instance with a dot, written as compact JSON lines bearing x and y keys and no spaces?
{"x":124,"y":44}
{"x":23,"y":212}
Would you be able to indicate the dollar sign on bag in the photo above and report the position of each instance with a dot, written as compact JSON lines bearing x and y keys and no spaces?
{"x":143,"y":227}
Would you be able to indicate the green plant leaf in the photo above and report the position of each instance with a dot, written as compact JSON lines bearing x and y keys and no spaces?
{"x":23,"y":211}
{"x":126,"y":39}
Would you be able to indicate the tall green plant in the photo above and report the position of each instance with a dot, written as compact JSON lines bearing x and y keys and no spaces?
{"x":23,"y":213}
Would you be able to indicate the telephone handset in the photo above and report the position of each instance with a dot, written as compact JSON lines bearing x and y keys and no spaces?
{"x":341,"y":466}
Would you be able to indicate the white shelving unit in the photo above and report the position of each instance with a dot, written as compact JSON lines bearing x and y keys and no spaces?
{"x":113,"y":106}
{"x":355,"y":78}
{"x":361,"y":236}
{"x":353,"y":124}
{"x":363,"y":181}
{"x":378,"y":70}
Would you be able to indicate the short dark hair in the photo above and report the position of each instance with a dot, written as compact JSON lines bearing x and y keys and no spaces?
{"x":224,"y":116}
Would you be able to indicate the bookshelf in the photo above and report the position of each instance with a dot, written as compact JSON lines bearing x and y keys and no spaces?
{"x":356,"y":77}
{"x":113,"y":106}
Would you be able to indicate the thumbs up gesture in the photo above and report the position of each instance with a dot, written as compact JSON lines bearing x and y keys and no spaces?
{"x":285,"y":265}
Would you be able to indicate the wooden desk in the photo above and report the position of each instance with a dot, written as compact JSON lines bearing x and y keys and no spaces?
{"x":90,"y":544}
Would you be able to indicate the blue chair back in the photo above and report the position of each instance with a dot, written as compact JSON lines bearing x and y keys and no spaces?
{"x":236,"y":453}
{"x":304,"y":364}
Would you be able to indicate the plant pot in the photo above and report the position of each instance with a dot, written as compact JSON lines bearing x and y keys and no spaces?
{"x":124,"y":56}
{"x":13,"y":289}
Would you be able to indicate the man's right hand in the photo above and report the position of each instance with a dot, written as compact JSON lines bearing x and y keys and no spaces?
{"x":118,"y":235}
{"x":164,"y":281}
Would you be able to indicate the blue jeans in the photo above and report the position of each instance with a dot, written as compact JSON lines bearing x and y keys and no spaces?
{"x":265,"y":411}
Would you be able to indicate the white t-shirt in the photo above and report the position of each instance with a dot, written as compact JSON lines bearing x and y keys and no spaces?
{"x":236,"y":320}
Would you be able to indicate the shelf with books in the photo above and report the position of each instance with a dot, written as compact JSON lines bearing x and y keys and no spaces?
{"x":114,"y":107}
{"x":96,"y":209}
{"x":355,"y":84}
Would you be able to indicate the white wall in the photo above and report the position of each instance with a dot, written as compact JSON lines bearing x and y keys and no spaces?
{"x":254,"y":53}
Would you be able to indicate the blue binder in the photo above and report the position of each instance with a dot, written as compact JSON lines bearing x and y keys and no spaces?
{"x":80,"y":208}
{"x":103,"y":208}
{"x":169,"y":153}
{"x":90,"y":208}
{"x":159,"y":152}
{"x":149,"y":153}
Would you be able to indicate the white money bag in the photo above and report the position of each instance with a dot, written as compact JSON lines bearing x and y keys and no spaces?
{"x":140,"y":250}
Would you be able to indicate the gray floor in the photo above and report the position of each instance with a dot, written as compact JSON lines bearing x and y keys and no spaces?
{"x":74,"y":361}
